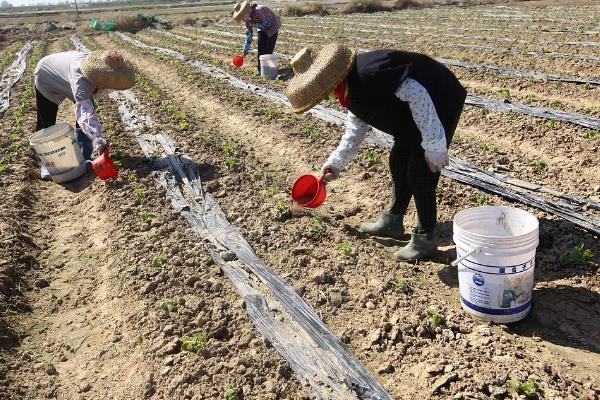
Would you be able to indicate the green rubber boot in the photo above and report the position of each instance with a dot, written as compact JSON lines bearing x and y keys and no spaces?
{"x":422,"y":246}
{"x":387,"y":225}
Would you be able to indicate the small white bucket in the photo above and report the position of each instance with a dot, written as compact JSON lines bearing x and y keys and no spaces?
{"x":268,"y":65}
{"x":495,"y":249}
{"x":60,"y":152}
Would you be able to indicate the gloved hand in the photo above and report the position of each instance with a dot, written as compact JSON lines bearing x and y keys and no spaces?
{"x":330,"y":172}
{"x":100,"y":145}
{"x":436,"y":160}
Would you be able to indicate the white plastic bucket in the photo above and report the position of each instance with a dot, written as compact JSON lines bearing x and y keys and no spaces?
{"x":60,"y":152}
{"x":268,"y":65}
{"x":495,"y":249}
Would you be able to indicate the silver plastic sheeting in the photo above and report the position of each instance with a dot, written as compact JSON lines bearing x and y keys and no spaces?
{"x":12,"y":74}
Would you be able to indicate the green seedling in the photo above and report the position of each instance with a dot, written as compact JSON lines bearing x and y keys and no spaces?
{"x":346,"y":250}
{"x":118,"y":164}
{"x":231,"y":162}
{"x":255,"y":173}
{"x":579,"y":255}
{"x":282,"y":206}
{"x":13,"y":148}
{"x":591,"y":134}
{"x":372,"y":156}
{"x":504,"y":92}
{"x":435,"y":318}
{"x":159,"y":261}
{"x":171,"y":304}
{"x":312,"y":134}
{"x":154,"y":235}
{"x":530,"y":97}
{"x":194,"y":343}
{"x":538,"y":165}
{"x":402,"y":286}
{"x":555,"y":103}
{"x":227,"y":148}
{"x":130,"y":177}
{"x":231,"y":394}
{"x":147,"y":216}
{"x":550,"y":123}
{"x":271,"y":113}
{"x":179,"y":115}
{"x":271,"y":191}
{"x":478,"y":199}
{"x":183,"y":125}
{"x":202,"y":137}
{"x":139,"y":193}
{"x":514,"y":116}
{"x":529,"y":388}
{"x":315,"y":227}
{"x":490,"y":148}
{"x":3,"y":169}
{"x":485,"y":111}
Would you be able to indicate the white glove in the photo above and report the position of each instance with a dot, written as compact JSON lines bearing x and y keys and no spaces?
{"x":330,"y":172}
{"x":99,"y":145}
{"x":436,"y":160}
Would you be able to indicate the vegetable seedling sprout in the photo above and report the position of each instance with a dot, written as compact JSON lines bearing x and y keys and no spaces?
{"x":402,"y":286}
{"x":478,"y":199}
{"x":315,"y":227}
{"x":346,"y":250}
{"x":528,"y":388}
{"x":231,"y":394}
{"x":435,"y":318}
{"x":159,"y":261}
{"x":147,"y":216}
{"x":194,"y":343}
{"x":372,"y":156}
{"x":171,"y":304}
{"x":139,"y":193}
{"x":579,"y":255}
{"x":538,"y":165}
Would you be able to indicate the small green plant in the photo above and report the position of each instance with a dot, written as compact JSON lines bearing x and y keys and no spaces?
{"x":282,"y":206}
{"x":159,"y":261}
{"x":147,"y":216}
{"x":515,"y":116}
{"x":550,"y":123}
{"x":3,"y":169}
{"x":139,"y":193}
{"x":154,"y":235}
{"x":315,"y":227}
{"x":13,"y":148}
{"x":372,"y":156}
{"x":255,"y":173}
{"x":231,"y":394}
{"x":312,"y":133}
{"x":271,"y":113}
{"x":194,"y":343}
{"x":579,"y":255}
{"x":478,"y":199}
{"x":227,"y":148}
{"x":591,"y":134}
{"x":271,"y":191}
{"x":538,"y":165}
{"x":179,"y":115}
{"x":202,"y":137}
{"x":528,"y":388}
{"x":485,"y":111}
{"x":183,"y":125}
{"x":435,"y":318}
{"x":118,"y":163}
{"x":504,"y":92}
{"x":130,"y":177}
{"x":231,"y":162}
{"x":171,"y":304}
{"x":490,"y":148}
{"x":402,"y":286}
{"x":555,"y":103}
{"x":346,"y":250}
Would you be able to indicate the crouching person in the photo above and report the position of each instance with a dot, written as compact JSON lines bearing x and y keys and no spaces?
{"x":410,"y":96}
{"x":80,"y":77}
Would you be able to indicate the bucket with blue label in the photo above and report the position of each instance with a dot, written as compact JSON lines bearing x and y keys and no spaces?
{"x":496,"y":249}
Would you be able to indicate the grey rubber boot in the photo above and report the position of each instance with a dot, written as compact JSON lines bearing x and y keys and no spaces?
{"x":387,"y":225}
{"x":422,"y":246}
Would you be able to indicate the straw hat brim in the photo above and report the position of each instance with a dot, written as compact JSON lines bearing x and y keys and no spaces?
{"x":240,"y":10}
{"x":116,"y":77}
{"x":331,"y":65}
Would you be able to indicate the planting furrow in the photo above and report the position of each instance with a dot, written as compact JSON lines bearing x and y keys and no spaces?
{"x":12,"y":74}
{"x":317,"y":356}
{"x":477,"y":101}
{"x":458,"y":169}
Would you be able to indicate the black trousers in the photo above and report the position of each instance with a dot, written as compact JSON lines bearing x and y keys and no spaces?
{"x":412,"y":178}
{"x":46,"y":111}
{"x":266,"y":45}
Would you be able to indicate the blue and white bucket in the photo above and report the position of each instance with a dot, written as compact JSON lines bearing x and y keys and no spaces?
{"x":495,"y":249}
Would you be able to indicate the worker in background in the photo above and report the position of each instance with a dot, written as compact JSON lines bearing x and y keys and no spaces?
{"x":408,"y":95}
{"x":264,"y":20}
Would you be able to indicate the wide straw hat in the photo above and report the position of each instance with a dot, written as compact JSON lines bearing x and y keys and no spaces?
{"x":240,"y":10}
{"x":108,"y":69}
{"x":316,"y":75}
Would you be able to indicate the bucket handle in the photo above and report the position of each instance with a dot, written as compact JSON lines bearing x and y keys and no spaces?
{"x":474,"y":250}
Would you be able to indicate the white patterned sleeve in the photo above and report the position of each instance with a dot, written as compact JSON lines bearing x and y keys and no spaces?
{"x":88,"y":119}
{"x":356,"y":131}
{"x":424,"y":114}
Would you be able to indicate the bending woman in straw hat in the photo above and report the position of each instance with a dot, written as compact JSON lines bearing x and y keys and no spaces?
{"x":264,"y":20}
{"x":407,"y":95}
{"x":80,"y":77}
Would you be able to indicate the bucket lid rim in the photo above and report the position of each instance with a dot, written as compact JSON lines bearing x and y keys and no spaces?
{"x":60,"y":130}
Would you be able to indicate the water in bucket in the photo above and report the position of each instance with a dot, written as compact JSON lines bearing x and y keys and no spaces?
{"x":496,"y":249}
{"x":59,"y":152}
{"x":269,"y":66}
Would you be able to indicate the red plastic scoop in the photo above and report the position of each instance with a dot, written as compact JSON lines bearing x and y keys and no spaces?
{"x":238,"y":61}
{"x":104,"y":167}
{"x":309,"y":191}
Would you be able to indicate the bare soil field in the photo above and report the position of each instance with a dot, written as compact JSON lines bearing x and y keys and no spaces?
{"x":109,"y":290}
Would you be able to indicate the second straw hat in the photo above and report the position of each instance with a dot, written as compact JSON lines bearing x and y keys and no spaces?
{"x":316,"y":75}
